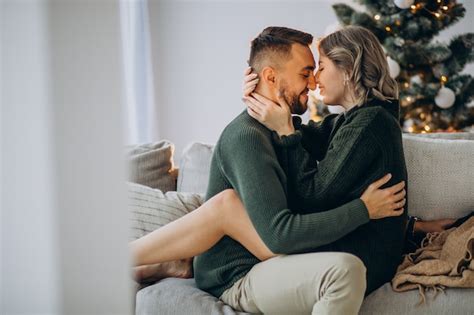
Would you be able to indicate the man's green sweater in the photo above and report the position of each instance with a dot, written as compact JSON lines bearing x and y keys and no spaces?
{"x":247,"y":159}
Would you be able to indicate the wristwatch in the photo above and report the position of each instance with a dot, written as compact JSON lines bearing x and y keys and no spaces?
{"x":411,"y":225}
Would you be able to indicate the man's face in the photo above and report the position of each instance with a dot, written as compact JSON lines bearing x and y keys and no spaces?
{"x":297,"y":78}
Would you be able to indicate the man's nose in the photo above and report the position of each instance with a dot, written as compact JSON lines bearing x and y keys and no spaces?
{"x":312,"y":82}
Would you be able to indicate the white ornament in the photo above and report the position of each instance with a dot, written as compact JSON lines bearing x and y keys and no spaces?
{"x":393,"y":67}
{"x":408,"y":123}
{"x":331,"y":28}
{"x":470,"y":104}
{"x":403,"y":4}
{"x":445,"y":98}
{"x":416,"y":79}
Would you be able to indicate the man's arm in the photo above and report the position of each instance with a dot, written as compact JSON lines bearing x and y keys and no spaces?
{"x":248,"y":160}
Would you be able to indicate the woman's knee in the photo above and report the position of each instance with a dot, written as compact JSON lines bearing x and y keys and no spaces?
{"x":222,"y":204}
{"x":227,"y":200}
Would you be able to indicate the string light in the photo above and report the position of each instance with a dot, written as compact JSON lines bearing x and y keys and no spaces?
{"x":397,"y":22}
{"x":427,"y":128}
{"x":437,"y":14}
{"x":377,"y":17}
{"x":406,"y":84}
{"x":388,"y":28}
{"x":444,"y":79}
{"x":413,"y":7}
{"x":445,"y":7}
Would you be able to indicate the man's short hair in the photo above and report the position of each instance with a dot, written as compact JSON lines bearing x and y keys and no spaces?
{"x":273,"y":46}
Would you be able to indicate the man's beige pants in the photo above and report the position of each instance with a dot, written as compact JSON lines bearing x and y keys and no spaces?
{"x":314,"y":283}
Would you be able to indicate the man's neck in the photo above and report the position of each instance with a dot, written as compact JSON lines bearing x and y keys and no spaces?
{"x":265,"y":93}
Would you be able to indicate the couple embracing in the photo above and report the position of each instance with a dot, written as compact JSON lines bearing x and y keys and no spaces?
{"x":298,"y":218}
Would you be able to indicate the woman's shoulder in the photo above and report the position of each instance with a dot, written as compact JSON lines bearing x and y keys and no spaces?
{"x":377,"y":115}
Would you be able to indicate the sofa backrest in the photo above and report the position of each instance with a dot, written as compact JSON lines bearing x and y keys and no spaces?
{"x":194,"y":168}
{"x":440,"y":173}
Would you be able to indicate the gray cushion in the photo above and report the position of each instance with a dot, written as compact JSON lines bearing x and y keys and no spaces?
{"x":180,"y":296}
{"x":386,"y":301}
{"x":151,"y":208}
{"x":174,"y":296}
{"x":151,"y":164}
{"x":194,"y":168}
{"x":440,"y":174}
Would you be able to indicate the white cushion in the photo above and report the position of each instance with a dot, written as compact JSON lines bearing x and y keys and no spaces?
{"x":440,"y":174}
{"x":194,"y":168}
{"x":151,"y":208}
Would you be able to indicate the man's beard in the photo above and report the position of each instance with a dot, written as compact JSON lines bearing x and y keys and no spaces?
{"x":293,"y":100}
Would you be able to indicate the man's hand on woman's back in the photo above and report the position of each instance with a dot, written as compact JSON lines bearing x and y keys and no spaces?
{"x":387,"y":202}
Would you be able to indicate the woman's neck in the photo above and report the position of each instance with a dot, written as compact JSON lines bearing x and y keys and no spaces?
{"x":348,"y":106}
{"x":349,"y":102}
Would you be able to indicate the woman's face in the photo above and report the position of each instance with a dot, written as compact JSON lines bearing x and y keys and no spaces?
{"x":330,"y":80}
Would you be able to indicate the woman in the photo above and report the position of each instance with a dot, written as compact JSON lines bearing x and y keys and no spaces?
{"x":206,"y":225}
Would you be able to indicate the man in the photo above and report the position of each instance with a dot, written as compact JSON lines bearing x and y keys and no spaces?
{"x":246,"y":160}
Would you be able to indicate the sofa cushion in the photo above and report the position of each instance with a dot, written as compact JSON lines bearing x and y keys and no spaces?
{"x":151,"y":165}
{"x":151,"y":208}
{"x":194,"y":168}
{"x":179,"y":296}
{"x":386,"y":301}
{"x":440,"y":174}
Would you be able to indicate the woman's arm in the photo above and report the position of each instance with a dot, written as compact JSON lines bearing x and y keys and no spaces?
{"x":315,"y":135}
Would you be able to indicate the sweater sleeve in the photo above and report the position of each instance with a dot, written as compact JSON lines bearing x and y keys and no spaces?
{"x":315,"y":136}
{"x":249,"y":162}
{"x":343,"y":169}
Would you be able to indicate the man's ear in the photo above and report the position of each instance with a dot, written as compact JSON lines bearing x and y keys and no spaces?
{"x":269,"y":76}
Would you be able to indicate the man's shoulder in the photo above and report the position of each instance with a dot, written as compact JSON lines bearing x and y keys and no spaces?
{"x":244,"y":130}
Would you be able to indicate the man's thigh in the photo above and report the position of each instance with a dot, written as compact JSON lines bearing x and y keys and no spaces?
{"x":288,"y":284}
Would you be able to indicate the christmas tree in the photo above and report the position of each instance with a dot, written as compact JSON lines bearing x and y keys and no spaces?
{"x":434,"y":95}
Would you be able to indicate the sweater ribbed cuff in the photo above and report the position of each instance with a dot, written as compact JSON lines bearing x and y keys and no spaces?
{"x":287,"y":141}
{"x":297,"y":122}
{"x":359,"y":212}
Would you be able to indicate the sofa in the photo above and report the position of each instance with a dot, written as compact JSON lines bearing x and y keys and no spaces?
{"x":440,"y":184}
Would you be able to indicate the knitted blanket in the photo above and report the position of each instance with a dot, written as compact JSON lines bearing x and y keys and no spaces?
{"x":444,"y":260}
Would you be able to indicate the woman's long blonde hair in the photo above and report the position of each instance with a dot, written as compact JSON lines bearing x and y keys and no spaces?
{"x":357,"y":51}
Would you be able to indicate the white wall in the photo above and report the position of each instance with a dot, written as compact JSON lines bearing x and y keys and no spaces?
{"x":200,"y":49}
{"x":64,"y":225}
{"x":28,"y":224}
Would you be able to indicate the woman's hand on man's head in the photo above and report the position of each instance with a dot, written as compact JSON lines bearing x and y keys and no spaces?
{"x":250,"y":82}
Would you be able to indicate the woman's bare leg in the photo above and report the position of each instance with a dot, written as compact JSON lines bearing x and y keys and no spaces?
{"x":196,"y":232}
